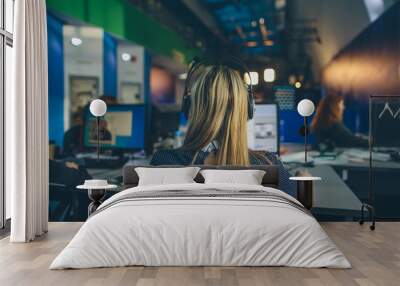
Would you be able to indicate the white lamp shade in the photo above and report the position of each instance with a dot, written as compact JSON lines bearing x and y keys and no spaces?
{"x":305,"y":107}
{"x":98,"y":107}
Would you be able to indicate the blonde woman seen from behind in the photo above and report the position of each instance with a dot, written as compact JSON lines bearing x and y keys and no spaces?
{"x":217,"y":126}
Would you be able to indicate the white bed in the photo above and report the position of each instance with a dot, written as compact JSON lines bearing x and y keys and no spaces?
{"x":248,"y":225}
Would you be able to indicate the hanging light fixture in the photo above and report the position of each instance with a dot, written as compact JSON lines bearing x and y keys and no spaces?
{"x":251,"y":78}
{"x":269,"y":75}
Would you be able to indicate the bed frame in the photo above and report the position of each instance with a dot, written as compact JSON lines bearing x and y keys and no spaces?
{"x":270,"y":179}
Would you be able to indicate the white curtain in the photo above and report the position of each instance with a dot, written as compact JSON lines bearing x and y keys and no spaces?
{"x":26,"y":124}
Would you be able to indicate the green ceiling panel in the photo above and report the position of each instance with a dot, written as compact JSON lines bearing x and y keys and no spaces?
{"x":124,"y":20}
{"x":108,"y":14}
{"x":74,"y":8}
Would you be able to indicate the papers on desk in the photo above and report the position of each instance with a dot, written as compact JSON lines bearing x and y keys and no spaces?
{"x":313,"y":156}
{"x":363,"y":155}
{"x":295,"y":157}
{"x":383,"y":157}
{"x":349,"y":155}
{"x":325,"y":160}
{"x":94,"y":156}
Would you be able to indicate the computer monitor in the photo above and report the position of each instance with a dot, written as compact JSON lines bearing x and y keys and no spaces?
{"x":164,"y":121}
{"x":263,"y":133}
{"x":385,"y":120}
{"x":121,"y":127}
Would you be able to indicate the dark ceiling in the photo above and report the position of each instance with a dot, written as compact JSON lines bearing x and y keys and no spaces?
{"x":255,"y":27}
{"x":248,"y":27}
{"x":259,"y":31}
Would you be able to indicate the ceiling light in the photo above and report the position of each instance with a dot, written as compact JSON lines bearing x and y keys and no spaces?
{"x":126,"y":57}
{"x":253,"y":79}
{"x":292,"y":79}
{"x":261,"y":21}
{"x":251,"y":44}
{"x":297,"y":84}
{"x":280,"y":4}
{"x":268,"y":43}
{"x":253,"y":23}
{"x":182,"y":76}
{"x":269,"y":75}
{"x":75,"y":41}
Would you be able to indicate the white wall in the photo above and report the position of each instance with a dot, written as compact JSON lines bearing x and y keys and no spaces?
{"x":83,"y":60}
{"x":131,"y":71}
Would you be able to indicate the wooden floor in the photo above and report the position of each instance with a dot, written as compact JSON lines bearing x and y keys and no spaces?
{"x":375,"y":257}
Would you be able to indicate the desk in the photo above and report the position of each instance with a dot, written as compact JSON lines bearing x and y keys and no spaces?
{"x":105,"y":174}
{"x":345,"y":157}
{"x":348,"y":182}
{"x":116,"y":174}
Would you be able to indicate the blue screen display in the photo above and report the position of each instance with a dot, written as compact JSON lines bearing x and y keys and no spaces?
{"x":121,"y":127}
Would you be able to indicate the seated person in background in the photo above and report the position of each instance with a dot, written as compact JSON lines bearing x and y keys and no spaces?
{"x":217,"y":127}
{"x":66,"y":204}
{"x":328,"y":126}
{"x":73,"y":137}
{"x":67,"y":173}
{"x":105,"y":134}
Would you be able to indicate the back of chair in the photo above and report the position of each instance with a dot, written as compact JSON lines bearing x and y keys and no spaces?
{"x":270,"y":179}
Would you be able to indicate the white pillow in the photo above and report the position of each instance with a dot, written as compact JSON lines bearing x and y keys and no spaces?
{"x":166,"y":176}
{"x":248,"y":177}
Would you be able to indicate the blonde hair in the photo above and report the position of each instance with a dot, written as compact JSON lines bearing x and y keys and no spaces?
{"x":218,"y":112}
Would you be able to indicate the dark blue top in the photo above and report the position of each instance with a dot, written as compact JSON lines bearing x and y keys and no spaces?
{"x":184,"y":157}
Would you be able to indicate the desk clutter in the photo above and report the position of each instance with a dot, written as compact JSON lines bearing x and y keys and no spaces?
{"x":344,"y":156}
{"x":376,"y":183}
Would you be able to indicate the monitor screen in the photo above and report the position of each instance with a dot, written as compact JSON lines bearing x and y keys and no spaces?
{"x":162,"y":86}
{"x":385,"y":113}
{"x":263,"y":128}
{"x":121,"y":127}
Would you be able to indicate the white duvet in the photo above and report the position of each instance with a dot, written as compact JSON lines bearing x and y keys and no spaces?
{"x":200,"y":231}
